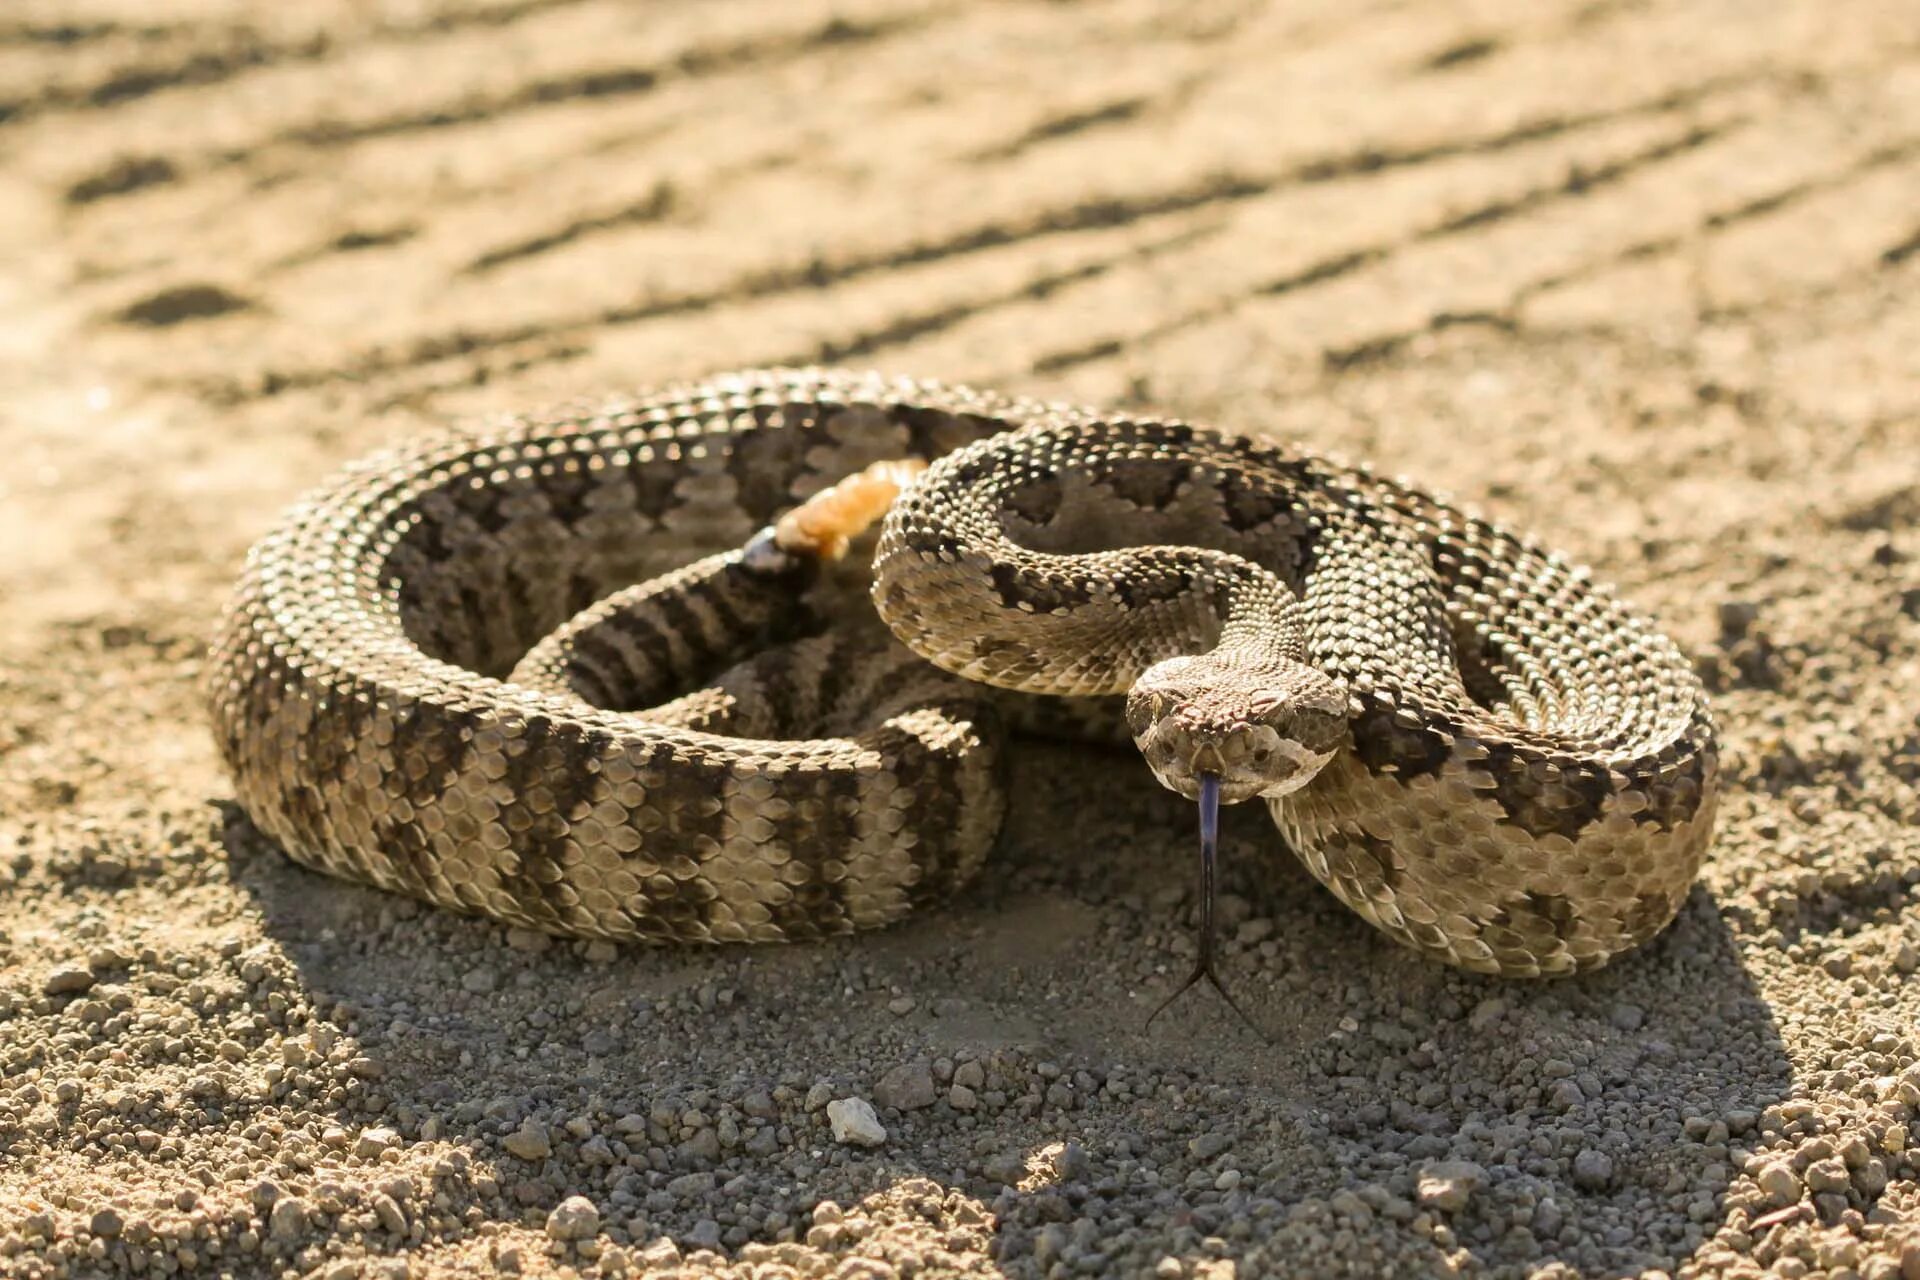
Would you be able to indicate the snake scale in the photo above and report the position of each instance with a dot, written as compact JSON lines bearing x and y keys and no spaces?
{"x":556,"y":672}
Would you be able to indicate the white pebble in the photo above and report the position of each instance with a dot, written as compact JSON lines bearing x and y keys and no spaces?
{"x":854,"y":1122}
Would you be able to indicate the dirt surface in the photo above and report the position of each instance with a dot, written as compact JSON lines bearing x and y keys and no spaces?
{"x":1637,"y":277}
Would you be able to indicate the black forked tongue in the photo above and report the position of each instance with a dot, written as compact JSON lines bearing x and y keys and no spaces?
{"x":1209,"y":857}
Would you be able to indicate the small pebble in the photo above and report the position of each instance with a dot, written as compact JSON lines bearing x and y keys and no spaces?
{"x":907,"y":1087}
{"x":1007,"y":1168}
{"x":1592,"y":1169}
{"x":1779,"y":1182}
{"x":1449,"y":1184}
{"x":575,"y":1218}
{"x":372,"y":1142}
{"x":288,"y":1218}
{"x":529,"y":1142}
{"x":68,"y":980}
{"x":854,"y":1123}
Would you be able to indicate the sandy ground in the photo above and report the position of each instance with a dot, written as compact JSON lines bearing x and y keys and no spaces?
{"x":1638,"y":277}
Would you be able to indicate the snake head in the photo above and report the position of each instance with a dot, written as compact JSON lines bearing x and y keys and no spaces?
{"x":1262,"y":728}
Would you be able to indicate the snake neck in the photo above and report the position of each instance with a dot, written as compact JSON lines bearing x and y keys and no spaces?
{"x":1251,"y":712}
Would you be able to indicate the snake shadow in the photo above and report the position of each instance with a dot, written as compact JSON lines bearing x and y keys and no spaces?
{"x":1594,"y":1122}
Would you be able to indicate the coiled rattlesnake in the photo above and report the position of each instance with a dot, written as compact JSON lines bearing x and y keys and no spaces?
{"x":1472,"y":745}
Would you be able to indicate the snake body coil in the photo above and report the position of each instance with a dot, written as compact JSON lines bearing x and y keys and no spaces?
{"x":1522,"y":782}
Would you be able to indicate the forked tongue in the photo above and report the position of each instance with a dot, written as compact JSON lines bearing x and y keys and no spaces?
{"x":1209,"y":859}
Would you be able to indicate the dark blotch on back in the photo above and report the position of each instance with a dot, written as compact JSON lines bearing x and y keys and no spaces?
{"x":1386,"y":747}
{"x":1035,"y":500}
{"x":559,"y":758}
{"x":1647,"y":916}
{"x":764,"y":463}
{"x":1044,"y":596}
{"x":408,"y":846}
{"x":1381,"y":851}
{"x":934,"y":433}
{"x":1676,"y":799}
{"x":1149,"y":484}
{"x":1526,"y":800}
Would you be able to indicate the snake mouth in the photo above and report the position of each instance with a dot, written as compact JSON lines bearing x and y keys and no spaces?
{"x":1280,"y":769}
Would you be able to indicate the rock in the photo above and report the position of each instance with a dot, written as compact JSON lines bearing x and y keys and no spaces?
{"x":1566,"y":1096}
{"x":1829,"y":1175}
{"x":1738,"y":616}
{"x":1209,"y":1145}
{"x":1071,"y":1162}
{"x":854,"y":1122}
{"x":1627,"y":1017}
{"x":529,"y":1142}
{"x":658,"y":1255}
{"x":392,"y":1220}
{"x":690,"y":1186}
{"x":702,"y":1148}
{"x":961,"y":1098}
{"x":107,"y":1223}
{"x":1779,"y":1182}
{"x":480,"y":982}
{"x":1049,"y":1245}
{"x":1449,"y":1184}
{"x":1486,"y":1013}
{"x":705,"y":1234}
{"x":907,"y":1087}
{"x":1007,"y":1168}
{"x":372,"y":1142}
{"x":288,"y":1219}
{"x":68,"y":980}
{"x":970,"y":1075}
{"x":1347,"y":1204}
{"x":1592,"y":1169}
{"x":574,"y":1218}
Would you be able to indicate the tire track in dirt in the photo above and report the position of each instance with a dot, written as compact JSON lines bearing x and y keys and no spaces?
{"x":215,"y":53}
{"x":758,"y":52}
{"x":1216,"y":191}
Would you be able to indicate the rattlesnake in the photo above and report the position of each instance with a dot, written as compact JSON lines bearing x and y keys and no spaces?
{"x":1471,"y":744}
